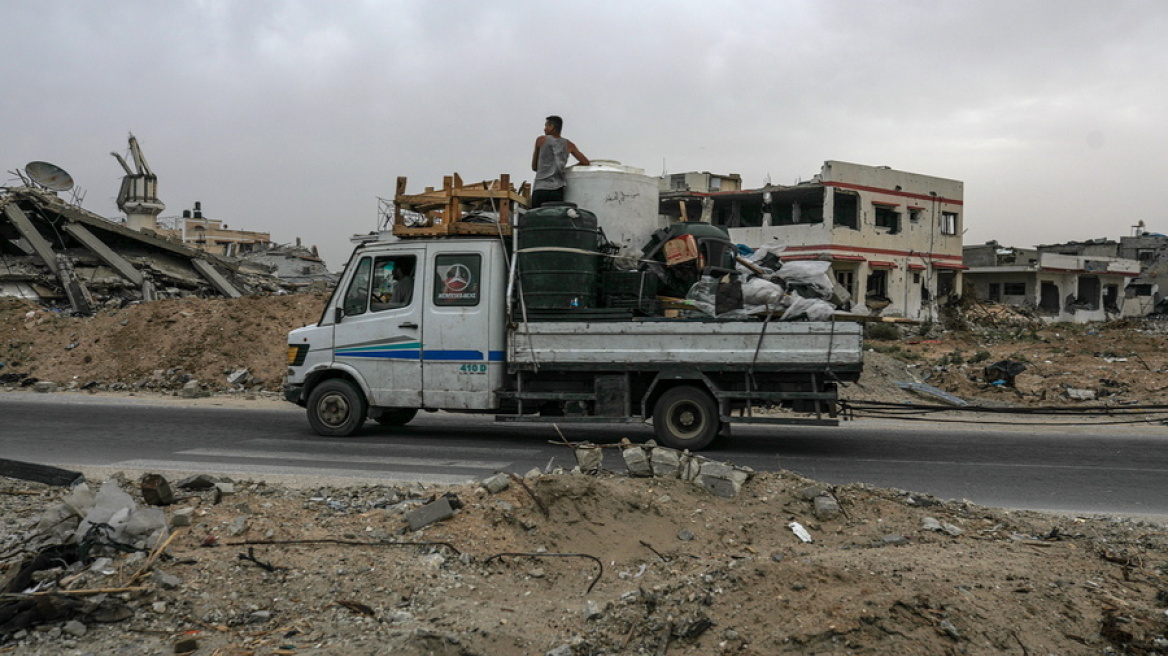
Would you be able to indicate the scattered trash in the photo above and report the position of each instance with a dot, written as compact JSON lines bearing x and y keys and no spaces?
{"x":1003,"y":372}
{"x":929,"y":391}
{"x":799,"y":531}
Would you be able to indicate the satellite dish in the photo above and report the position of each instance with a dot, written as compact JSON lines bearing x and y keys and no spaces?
{"x":49,"y":176}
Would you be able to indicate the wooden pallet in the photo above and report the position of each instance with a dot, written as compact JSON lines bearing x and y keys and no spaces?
{"x":445,"y":209}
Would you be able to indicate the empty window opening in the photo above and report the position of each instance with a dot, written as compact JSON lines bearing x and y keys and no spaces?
{"x":846,"y":210}
{"x":1089,"y":292}
{"x":1048,"y":297}
{"x":1013,"y":289}
{"x":886,"y":217}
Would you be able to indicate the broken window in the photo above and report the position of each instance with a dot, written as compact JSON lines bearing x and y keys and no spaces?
{"x":915,"y":214}
{"x":1048,"y":297}
{"x":1089,"y":292}
{"x":1145,"y":255}
{"x":846,"y":210}
{"x":677,"y":182}
{"x":1013,"y":289}
{"x":1111,"y":298}
{"x":886,"y":216}
{"x":1139,"y":289}
{"x":949,"y":223}
{"x":877,"y":284}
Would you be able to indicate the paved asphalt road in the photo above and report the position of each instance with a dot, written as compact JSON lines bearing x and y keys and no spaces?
{"x":1105,"y":469}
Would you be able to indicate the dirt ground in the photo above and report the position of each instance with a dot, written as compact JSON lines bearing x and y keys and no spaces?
{"x":619,"y":565}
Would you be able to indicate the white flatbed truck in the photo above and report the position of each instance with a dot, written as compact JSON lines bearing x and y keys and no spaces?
{"x":457,"y":342}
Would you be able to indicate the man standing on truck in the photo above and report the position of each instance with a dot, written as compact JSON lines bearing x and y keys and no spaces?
{"x":548,"y":162}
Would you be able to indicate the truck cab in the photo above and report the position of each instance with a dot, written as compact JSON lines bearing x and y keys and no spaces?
{"x":411,"y":325}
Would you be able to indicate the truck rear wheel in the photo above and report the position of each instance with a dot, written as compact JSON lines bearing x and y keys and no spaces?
{"x":396,"y":416}
{"x":686,"y":417}
{"x":336,"y":408}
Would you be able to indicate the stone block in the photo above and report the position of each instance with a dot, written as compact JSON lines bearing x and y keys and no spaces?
{"x":435,"y":511}
{"x":637,"y":462}
{"x":721,"y":479}
{"x":590,"y":458}
{"x":497,"y":483}
{"x":826,"y":508}
{"x":666,"y":462}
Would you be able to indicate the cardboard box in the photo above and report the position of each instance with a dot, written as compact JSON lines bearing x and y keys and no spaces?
{"x":681,"y":249}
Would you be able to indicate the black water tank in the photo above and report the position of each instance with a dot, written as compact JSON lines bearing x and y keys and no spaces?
{"x":557,"y":279}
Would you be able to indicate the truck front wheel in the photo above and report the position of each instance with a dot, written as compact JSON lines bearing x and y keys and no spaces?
{"x":336,"y":408}
{"x":686,"y":417}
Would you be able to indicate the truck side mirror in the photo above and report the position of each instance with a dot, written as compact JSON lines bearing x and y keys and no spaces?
{"x":338,"y":314}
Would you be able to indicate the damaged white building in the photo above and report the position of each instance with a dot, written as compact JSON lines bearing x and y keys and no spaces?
{"x":893,"y":238}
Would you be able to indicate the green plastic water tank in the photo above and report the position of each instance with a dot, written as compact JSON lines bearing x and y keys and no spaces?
{"x":558,"y":279}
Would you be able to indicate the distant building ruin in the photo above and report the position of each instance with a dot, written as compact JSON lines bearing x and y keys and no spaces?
{"x":893,"y":238}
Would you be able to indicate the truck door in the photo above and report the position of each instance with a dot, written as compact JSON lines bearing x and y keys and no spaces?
{"x":380,"y":332}
{"x":462,"y":362}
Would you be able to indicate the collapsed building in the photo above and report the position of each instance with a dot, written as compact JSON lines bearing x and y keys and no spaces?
{"x":1060,"y":285}
{"x":54,"y":251}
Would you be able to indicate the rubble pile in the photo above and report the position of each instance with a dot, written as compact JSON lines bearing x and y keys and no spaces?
{"x":568,"y":563}
{"x":82,"y":262}
{"x":996,"y":362}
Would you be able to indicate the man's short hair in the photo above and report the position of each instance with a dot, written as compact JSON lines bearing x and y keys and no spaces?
{"x":557,"y":122}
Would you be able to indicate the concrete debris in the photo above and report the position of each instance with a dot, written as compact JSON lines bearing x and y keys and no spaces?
{"x":637,"y":461}
{"x":497,"y":483}
{"x":239,"y":377}
{"x":721,"y":479}
{"x":935,"y":393}
{"x":1081,"y":394}
{"x":689,"y":564}
{"x":589,"y":457}
{"x":826,"y":508}
{"x":438,"y":510}
{"x":156,"y":490}
{"x":932,"y":524}
{"x":63,"y":254}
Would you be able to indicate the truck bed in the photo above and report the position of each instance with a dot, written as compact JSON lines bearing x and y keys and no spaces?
{"x":708,"y":344}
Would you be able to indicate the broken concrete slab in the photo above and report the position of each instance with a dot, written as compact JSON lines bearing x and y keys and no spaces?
{"x":589,"y":457}
{"x":721,"y":479}
{"x":637,"y":461}
{"x":435,"y":511}
{"x":497,"y":483}
{"x":666,"y":462}
{"x":826,"y":508}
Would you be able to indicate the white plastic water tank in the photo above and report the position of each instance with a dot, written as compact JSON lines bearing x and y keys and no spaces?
{"x":623,"y":198}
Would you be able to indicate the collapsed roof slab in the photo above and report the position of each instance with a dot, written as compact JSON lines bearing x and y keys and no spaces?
{"x":37,"y":223}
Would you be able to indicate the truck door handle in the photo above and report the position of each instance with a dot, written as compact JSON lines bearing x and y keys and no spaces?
{"x":408,"y":324}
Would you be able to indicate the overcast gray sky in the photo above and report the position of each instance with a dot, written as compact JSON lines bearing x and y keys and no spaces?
{"x":293,"y":117}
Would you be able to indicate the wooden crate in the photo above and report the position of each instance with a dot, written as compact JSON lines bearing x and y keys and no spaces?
{"x":444,"y":209}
